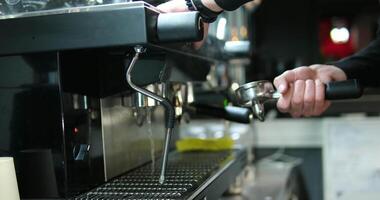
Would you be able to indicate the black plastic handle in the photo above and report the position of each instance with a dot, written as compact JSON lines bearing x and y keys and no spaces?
{"x":179,"y":27}
{"x":349,"y":89}
{"x":231,"y":113}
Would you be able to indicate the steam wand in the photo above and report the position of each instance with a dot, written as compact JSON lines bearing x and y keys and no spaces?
{"x":169,"y":109}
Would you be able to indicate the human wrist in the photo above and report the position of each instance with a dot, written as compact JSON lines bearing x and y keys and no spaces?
{"x":337,"y":73}
{"x":341,"y":73}
{"x":328,"y":70}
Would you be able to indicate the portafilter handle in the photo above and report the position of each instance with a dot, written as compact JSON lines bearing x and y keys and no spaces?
{"x":255,"y":94}
{"x":230,"y":113}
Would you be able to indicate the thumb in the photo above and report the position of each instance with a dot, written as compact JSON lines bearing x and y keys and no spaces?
{"x":282,"y":82}
{"x":281,"y":85}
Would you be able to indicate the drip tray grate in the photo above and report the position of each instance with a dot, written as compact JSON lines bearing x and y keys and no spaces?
{"x":186,"y":172}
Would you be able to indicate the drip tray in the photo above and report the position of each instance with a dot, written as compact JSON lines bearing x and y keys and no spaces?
{"x":195,"y":175}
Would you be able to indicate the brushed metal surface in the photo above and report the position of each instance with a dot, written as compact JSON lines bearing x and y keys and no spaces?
{"x":126,"y":136}
{"x":190,"y":175}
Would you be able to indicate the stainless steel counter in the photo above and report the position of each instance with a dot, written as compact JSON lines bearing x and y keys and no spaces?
{"x":273,"y":180}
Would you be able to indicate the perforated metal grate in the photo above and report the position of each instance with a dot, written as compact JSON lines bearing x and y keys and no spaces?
{"x":185,"y":173}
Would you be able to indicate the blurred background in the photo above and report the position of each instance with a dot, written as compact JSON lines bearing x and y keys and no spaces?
{"x":288,"y":34}
{"x":303,"y":32}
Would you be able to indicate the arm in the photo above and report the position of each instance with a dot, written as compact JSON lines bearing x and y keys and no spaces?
{"x":302,"y":92}
{"x":364,"y":65}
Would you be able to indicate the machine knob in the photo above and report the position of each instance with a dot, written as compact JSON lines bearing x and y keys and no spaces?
{"x":179,"y":27}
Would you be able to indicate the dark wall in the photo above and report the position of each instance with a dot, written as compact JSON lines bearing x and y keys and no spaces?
{"x":284,"y":35}
{"x":346,"y":7}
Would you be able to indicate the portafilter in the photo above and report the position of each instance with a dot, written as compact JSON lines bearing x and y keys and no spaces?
{"x":255,"y":94}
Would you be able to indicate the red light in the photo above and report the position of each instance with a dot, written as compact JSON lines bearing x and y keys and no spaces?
{"x":76,"y":130}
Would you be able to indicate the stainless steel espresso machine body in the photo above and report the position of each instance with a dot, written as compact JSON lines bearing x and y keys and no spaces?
{"x":71,"y":120}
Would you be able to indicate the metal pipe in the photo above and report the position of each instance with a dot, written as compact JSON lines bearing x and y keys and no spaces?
{"x":169,"y":109}
{"x":168,"y":134}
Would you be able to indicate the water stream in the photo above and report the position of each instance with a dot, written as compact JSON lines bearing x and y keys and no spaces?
{"x":151,"y":138}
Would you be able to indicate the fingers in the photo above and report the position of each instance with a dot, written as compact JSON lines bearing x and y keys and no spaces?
{"x":309,"y":98}
{"x":283,"y":104}
{"x":301,"y":73}
{"x":282,"y":82}
{"x":298,"y":98}
{"x":320,"y":102}
{"x":304,"y":98}
{"x":327,"y":105}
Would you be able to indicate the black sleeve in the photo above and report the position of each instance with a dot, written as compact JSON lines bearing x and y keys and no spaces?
{"x":230,"y":5}
{"x":364,"y":65}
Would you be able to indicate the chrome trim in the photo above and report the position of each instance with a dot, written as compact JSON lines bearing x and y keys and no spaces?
{"x":211,"y":180}
{"x":94,"y":8}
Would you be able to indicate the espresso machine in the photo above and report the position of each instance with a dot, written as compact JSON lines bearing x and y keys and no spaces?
{"x":88,"y":107}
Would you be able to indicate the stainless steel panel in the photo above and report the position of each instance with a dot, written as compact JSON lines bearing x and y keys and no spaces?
{"x":18,"y":8}
{"x":273,"y":180}
{"x":127,"y":133}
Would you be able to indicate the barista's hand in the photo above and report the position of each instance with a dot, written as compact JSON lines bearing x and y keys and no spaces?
{"x":174,"y":6}
{"x":180,"y":6}
{"x":303,"y":89}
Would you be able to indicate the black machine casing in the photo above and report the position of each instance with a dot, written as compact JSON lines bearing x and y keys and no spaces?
{"x":62,"y":87}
